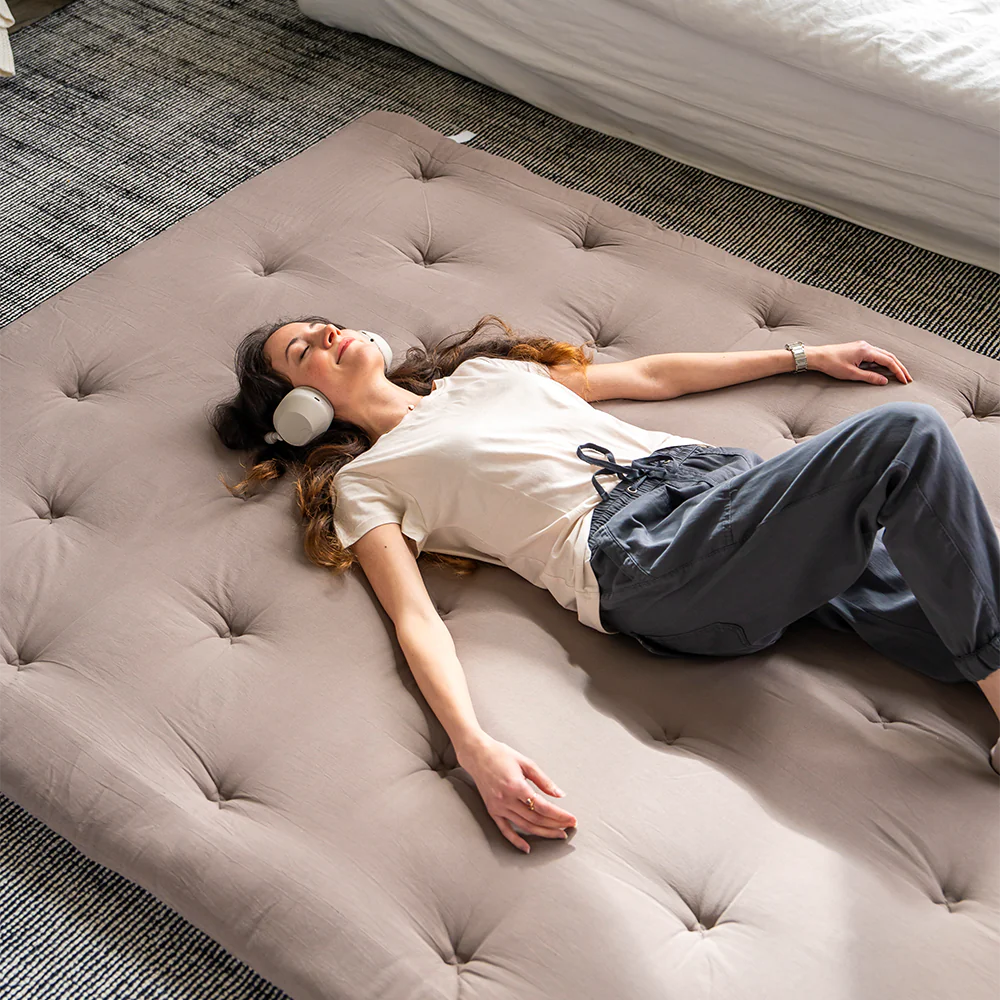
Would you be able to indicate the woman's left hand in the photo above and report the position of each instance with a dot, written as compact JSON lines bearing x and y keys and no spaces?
{"x":843,"y":360}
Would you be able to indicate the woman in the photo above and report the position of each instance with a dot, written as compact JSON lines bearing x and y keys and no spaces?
{"x":485,"y":452}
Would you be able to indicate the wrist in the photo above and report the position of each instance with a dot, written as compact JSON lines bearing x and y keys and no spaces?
{"x":812,"y":358}
{"x":468,"y":744}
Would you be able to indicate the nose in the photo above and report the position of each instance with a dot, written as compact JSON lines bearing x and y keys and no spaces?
{"x":333,"y":338}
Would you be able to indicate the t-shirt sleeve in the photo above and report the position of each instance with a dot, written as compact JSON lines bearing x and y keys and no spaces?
{"x":364,"y":502}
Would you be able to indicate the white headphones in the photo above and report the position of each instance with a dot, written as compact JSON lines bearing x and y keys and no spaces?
{"x":305,"y":412}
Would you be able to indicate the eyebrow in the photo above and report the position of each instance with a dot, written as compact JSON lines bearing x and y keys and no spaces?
{"x":288,"y":346}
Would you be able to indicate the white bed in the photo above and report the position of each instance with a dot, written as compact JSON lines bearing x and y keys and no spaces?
{"x":6,"y":55}
{"x":883,"y":112}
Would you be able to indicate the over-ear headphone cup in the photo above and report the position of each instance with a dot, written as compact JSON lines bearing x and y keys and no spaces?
{"x":302,"y":415}
{"x":381,"y":343}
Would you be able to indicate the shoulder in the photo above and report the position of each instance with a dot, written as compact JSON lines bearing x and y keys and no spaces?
{"x":485,"y":364}
{"x":351,"y":477}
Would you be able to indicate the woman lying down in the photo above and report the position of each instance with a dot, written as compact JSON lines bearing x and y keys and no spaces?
{"x":489,"y":451}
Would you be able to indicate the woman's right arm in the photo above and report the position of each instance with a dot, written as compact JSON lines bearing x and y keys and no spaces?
{"x":391,"y":568}
{"x":430,"y":651}
{"x":500,"y":772}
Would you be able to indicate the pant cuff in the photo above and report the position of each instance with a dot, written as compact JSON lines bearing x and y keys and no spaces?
{"x":981,"y":662}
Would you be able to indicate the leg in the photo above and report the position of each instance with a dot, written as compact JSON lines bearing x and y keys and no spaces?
{"x":726,"y":571}
{"x":990,"y":686}
{"x":882,"y":610}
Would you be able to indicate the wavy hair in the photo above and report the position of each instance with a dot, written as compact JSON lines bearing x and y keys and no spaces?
{"x":242,"y":421}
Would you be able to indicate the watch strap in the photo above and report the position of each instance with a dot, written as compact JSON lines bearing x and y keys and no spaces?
{"x":799,"y":353}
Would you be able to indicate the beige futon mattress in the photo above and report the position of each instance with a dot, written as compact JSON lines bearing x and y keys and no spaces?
{"x":193,"y":704}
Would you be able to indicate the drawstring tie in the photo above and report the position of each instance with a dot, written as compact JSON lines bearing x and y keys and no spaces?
{"x":633,"y":474}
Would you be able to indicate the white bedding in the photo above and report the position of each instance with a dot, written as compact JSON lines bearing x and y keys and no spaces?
{"x":942,"y":56}
{"x":885,"y":113}
{"x":6,"y":56}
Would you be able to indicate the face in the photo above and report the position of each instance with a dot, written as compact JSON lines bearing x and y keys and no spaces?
{"x":322,"y":356}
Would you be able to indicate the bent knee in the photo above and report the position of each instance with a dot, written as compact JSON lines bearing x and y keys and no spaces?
{"x":907,"y":410}
{"x":908,"y":416}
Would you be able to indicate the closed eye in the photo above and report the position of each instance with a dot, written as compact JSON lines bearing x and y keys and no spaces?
{"x":302,"y":355}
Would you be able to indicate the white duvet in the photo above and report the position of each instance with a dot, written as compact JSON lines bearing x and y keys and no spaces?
{"x":940,"y":55}
{"x":6,"y":56}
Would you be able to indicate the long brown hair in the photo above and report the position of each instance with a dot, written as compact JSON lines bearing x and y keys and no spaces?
{"x":242,"y":421}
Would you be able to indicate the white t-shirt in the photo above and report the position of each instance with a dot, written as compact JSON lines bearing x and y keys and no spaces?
{"x":486,"y":467}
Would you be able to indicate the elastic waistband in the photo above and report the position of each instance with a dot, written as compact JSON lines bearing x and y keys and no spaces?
{"x":622,"y":495}
{"x":637,"y":478}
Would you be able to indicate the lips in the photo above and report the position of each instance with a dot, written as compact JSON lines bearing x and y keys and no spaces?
{"x":343,"y":347}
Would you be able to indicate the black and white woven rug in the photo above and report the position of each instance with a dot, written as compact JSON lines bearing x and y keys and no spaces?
{"x":126,"y":116}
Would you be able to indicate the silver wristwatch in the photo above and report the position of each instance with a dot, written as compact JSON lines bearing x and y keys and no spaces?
{"x":799,"y":352}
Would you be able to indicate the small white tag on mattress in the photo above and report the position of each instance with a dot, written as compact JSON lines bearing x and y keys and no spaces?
{"x":463,"y":136}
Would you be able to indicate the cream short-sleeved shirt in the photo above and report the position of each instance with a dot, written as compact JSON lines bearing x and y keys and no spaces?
{"x":486,"y":467}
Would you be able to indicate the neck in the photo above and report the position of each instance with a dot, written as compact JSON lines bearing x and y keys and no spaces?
{"x":386,"y":412}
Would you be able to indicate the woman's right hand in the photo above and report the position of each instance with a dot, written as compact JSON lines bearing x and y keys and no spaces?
{"x":501,"y":774}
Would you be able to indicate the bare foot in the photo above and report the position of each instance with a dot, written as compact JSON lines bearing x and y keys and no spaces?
{"x":990,"y":686}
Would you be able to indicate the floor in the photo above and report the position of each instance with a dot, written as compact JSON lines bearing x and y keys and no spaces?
{"x":26,"y":11}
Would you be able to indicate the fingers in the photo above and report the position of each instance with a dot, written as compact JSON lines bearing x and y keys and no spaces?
{"x":893,"y":364}
{"x":519,"y":842}
{"x":508,"y":832}
{"x":523,"y":815}
{"x":534,"y":773}
{"x":531,"y":822}
{"x":544,"y":813}
{"x":508,"y":804}
{"x":552,"y":833}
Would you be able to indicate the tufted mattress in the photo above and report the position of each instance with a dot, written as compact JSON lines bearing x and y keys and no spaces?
{"x":194,"y":705}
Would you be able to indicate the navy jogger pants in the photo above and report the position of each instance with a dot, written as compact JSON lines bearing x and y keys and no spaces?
{"x":874,"y":526}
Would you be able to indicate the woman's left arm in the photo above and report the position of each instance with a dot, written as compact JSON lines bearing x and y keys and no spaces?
{"x":680,"y":374}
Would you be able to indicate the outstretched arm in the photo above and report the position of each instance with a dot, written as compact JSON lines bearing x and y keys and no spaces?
{"x":500,"y":772}
{"x":680,"y":374}
{"x":666,"y":376}
{"x":685,"y":373}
